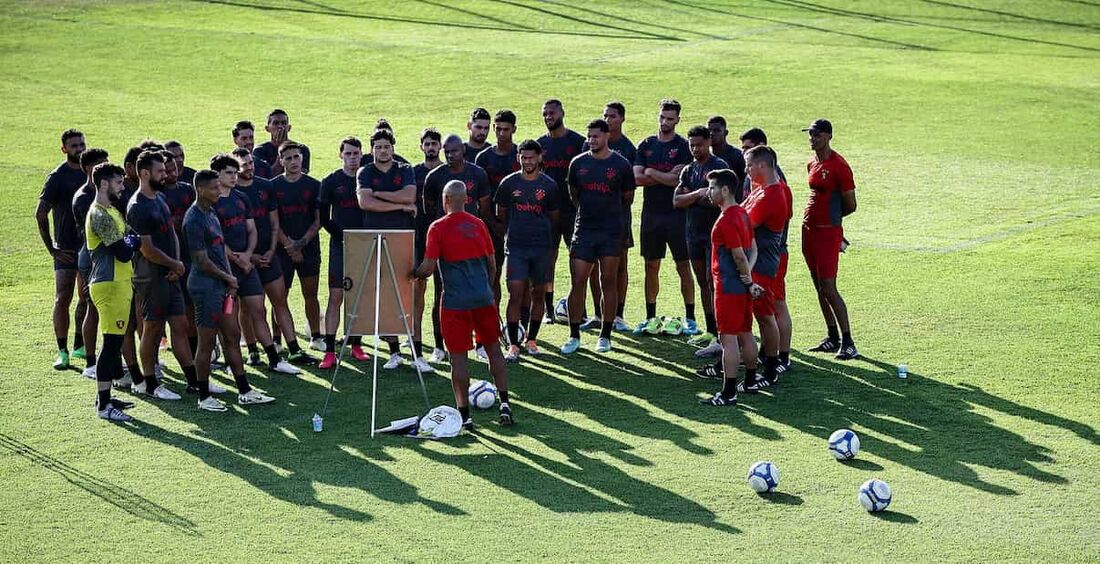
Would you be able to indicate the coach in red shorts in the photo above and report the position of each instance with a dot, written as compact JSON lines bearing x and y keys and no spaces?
{"x":460,"y":244}
{"x":732,"y":252}
{"x":832,"y":196}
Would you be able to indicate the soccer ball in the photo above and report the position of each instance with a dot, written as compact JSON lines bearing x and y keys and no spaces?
{"x":483,"y":395}
{"x":561,"y":310}
{"x":504,"y":335}
{"x":844,"y":444}
{"x":874,"y":495}
{"x":763,"y":477}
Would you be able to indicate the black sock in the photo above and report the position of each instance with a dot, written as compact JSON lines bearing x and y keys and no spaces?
{"x":524,"y":315}
{"x":78,"y":340}
{"x":194,"y":342}
{"x":834,"y":334}
{"x":513,"y":333}
{"x":395,"y":346}
{"x":503,"y":395}
{"x":549,"y":301}
{"x":315,"y":335}
{"x":63,"y":344}
{"x":465,"y":412}
{"x":533,"y":330}
{"x":650,"y":310}
{"x":785,"y":357}
{"x":712,"y":323}
{"x":330,"y":343}
{"x":605,"y":329}
{"x":242,"y":383}
{"x":272,"y":355}
{"x":574,"y":330}
{"x":204,"y":389}
{"x":189,"y":374}
{"x":846,"y":339}
{"x":597,"y":311}
{"x":90,"y":357}
{"x":439,"y":342}
{"x":729,"y":386}
{"x":293,"y":347}
{"x":253,"y":348}
{"x":418,"y":349}
{"x":135,"y":374}
{"x":151,"y":382}
{"x":277,"y":339}
{"x":771,"y":363}
{"x":355,"y":340}
{"x":619,"y":310}
{"x":750,"y":374}
{"x":689,"y":309}
{"x":104,"y":398}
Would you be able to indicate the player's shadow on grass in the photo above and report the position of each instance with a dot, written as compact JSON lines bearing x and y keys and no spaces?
{"x":582,"y":484}
{"x":114,"y":494}
{"x":781,"y":498}
{"x":921,"y":423}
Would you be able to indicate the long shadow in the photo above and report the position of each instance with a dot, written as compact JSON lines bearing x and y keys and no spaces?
{"x":894,"y":44}
{"x":114,"y":494}
{"x":575,"y":19}
{"x":655,"y":23}
{"x":444,"y":6}
{"x":632,"y":34}
{"x":1009,"y":14}
{"x":572,"y":487}
{"x":814,"y":7}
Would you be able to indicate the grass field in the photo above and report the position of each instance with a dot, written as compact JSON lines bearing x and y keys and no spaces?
{"x":971,"y":128}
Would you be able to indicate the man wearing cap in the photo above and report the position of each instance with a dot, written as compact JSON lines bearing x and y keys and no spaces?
{"x":832,"y":196}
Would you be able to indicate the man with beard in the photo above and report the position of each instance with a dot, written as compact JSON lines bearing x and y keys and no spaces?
{"x":499,"y":161}
{"x":527,"y":205}
{"x":559,"y":146}
{"x":82,"y":202}
{"x":265,"y":215}
{"x":244,"y":136}
{"x":179,"y":196}
{"x":478,"y":128}
{"x":386,"y":192}
{"x":56,"y":201}
{"x":431,"y":142}
{"x":234,"y":212}
{"x":478,"y":192}
{"x":183,"y":173}
{"x":299,"y":247}
{"x":157,"y":274}
{"x":278,"y":126}
{"x":339,"y":208}
{"x":109,"y":283}
{"x":657,"y":168}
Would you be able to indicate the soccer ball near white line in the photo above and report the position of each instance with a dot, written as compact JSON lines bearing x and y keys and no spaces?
{"x":763,"y":477}
{"x":504,"y":335}
{"x":844,"y":444}
{"x":483,"y":395}
{"x":875,"y":495}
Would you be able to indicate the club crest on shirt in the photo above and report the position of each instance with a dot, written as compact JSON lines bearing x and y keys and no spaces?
{"x":824,"y":174}
{"x":540,"y":194}
{"x":672,"y":153}
{"x":517,"y":193}
{"x":611,"y":174}
{"x":397,"y":181}
{"x":469,"y":185}
{"x":120,"y":323}
{"x":582,"y":172}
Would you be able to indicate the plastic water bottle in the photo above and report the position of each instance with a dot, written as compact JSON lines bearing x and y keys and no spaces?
{"x":318,"y":423}
{"x":903,"y":371}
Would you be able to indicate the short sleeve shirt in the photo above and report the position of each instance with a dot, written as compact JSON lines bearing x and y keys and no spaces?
{"x":473,"y":176}
{"x":420,"y":172}
{"x":395,"y":179}
{"x":338,"y":191}
{"x":297,"y":205}
{"x":662,"y":156}
{"x":204,"y":233}
{"x":461,"y":244}
{"x":702,"y":214}
{"x":58,"y":191}
{"x":557,"y":153}
{"x":735,"y":160}
{"x":261,"y":204}
{"x":104,"y":227}
{"x":828,"y":180}
{"x":769,"y":210}
{"x":529,"y":203}
{"x":82,"y":203}
{"x":497,"y":166}
{"x":179,"y":198}
{"x":731,"y":231}
{"x":151,"y":216}
{"x":269,"y":153}
{"x":233,"y":211}
{"x":600,"y":185}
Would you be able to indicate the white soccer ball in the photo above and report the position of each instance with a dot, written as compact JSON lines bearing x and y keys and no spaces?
{"x":763,"y":477}
{"x":483,"y":394}
{"x":874,"y":495}
{"x":561,"y":310}
{"x":844,"y":444}
{"x":504,"y":335}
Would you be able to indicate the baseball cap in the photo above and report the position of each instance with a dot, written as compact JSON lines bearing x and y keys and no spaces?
{"x":822,"y":125}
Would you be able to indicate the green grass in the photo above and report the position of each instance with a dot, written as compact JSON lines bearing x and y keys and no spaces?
{"x":971,"y":129}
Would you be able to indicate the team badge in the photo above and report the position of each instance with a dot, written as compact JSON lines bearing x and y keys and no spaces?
{"x":672,"y":153}
{"x":121,"y":323}
{"x":347,"y":283}
{"x":469,"y":185}
{"x":517,"y":193}
{"x":540,"y":194}
{"x":611,"y":174}
{"x":397,"y":181}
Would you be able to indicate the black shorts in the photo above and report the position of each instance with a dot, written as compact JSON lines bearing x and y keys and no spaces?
{"x":309,"y":267}
{"x":335,"y":266}
{"x":664,"y":230}
{"x":270,"y":273}
{"x":593,"y":248}
{"x":699,"y":248}
{"x":566,"y":224}
{"x":498,"y":254}
{"x":209,"y":300}
{"x":529,"y":264}
{"x":58,"y":265}
{"x":160,"y":299}
{"x":248,"y":284}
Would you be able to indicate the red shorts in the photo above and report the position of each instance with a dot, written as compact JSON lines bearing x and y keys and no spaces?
{"x":821,"y":249}
{"x":733,"y":313}
{"x":459,"y":324}
{"x":764,"y":305}
{"x":781,"y":279}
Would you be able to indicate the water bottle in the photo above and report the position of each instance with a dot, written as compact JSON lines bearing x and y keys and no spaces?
{"x":227,"y":305}
{"x":318,"y":423}
{"x":903,"y":371}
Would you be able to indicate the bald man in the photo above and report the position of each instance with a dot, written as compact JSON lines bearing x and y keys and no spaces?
{"x":460,"y":244}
